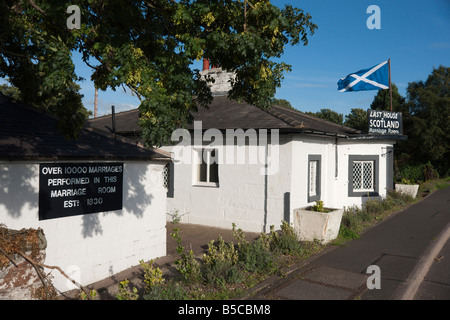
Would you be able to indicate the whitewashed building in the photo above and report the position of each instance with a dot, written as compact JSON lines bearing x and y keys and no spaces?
{"x":252,"y":167}
{"x":99,"y":200}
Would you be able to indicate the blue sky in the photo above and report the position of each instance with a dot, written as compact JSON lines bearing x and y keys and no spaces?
{"x":414,"y":34}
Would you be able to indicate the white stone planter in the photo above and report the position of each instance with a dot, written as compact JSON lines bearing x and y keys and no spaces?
{"x":312,"y":225}
{"x":410,"y":189}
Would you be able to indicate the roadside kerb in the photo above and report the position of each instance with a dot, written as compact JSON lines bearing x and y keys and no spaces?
{"x":409,"y":289}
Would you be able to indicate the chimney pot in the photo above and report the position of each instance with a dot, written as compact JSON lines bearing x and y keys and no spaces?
{"x":205,"y":64}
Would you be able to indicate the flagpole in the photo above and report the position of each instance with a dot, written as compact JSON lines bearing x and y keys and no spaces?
{"x":390,"y":86}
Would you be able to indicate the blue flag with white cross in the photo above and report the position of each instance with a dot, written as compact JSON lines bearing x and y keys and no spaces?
{"x":374,"y":78}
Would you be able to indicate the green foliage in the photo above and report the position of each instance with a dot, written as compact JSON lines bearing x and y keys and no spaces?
{"x":418,"y":173}
{"x":148,"y":48}
{"x":153,"y":277}
{"x":91,"y":296}
{"x":222,"y":252}
{"x":318,"y":206}
{"x":285,"y":241}
{"x":187,"y":265}
{"x":220,"y":263}
{"x":382,"y":101}
{"x":256,"y":257}
{"x":125,"y":293}
{"x":355,"y":219}
{"x":11,"y":92}
{"x":426,"y":122}
{"x":329,"y":115}
{"x":283,"y":103}
{"x":432,"y":185}
{"x":347,"y":233}
{"x":170,"y":290}
{"x":357,"y":119}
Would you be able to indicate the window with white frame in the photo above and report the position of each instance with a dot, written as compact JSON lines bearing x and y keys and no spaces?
{"x":314,"y":177}
{"x":363,"y":175}
{"x":206,"y":168}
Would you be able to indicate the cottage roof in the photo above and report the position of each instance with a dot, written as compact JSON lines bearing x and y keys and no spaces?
{"x":27,"y":133}
{"x":224,"y":113}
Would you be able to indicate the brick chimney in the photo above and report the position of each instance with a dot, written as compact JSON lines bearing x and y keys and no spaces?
{"x":205,"y":64}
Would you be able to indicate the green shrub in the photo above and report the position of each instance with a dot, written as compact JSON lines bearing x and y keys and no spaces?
{"x":355,"y":219}
{"x":373,"y":207}
{"x":286,"y":240}
{"x":413,"y":172}
{"x":347,"y":233}
{"x":125,"y":293}
{"x":318,"y":206}
{"x":419,"y":172}
{"x":399,"y":198}
{"x":169,"y":290}
{"x":187,"y":265}
{"x":220,"y":263}
{"x":152,"y":276}
{"x":224,"y":252}
{"x":255,"y":257}
{"x":221,"y":273}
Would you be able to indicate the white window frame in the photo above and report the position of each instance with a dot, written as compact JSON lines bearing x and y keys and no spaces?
{"x":366,"y":179}
{"x":363,"y":160}
{"x":198,"y":159}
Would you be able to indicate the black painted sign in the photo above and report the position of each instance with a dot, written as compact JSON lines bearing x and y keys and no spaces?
{"x":385,"y":122}
{"x":68,"y":189}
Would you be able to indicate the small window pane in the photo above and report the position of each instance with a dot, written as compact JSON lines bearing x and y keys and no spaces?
{"x":213,"y":168}
{"x":357,"y":165}
{"x":202,"y":167}
{"x":166,"y":177}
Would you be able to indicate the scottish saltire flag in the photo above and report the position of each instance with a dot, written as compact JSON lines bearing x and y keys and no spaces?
{"x":374,"y":78}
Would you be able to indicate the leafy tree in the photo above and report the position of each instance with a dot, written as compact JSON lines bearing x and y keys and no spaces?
{"x":283,"y":103}
{"x":357,"y":119}
{"x":427,"y":124}
{"x":330,"y":115}
{"x":35,"y":56}
{"x":9,"y":91}
{"x":147,"y":47}
{"x":382,"y":101}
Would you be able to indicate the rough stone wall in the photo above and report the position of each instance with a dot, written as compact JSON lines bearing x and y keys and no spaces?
{"x":18,"y":278}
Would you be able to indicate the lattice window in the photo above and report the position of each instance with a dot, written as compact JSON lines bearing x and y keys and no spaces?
{"x":166,"y":176}
{"x":363,"y":176}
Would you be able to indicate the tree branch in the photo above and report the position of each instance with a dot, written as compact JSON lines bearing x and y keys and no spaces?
{"x":34,"y":5}
{"x":36,"y":264}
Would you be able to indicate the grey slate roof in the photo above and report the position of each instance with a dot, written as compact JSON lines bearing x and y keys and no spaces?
{"x":224,"y":113}
{"x":29,"y":134}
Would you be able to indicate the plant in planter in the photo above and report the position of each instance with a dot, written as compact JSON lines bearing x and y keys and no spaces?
{"x":407,"y":187}
{"x":317,"y":223}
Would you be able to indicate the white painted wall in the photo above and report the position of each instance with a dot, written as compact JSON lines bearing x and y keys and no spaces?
{"x":94,"y":246}
{"x":334,"y":184}
{"x":240,"y":196}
